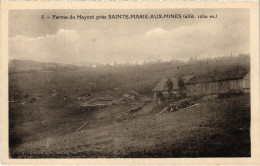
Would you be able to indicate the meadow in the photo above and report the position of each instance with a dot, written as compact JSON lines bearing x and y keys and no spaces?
{"x":212,"y":129}
{"x":45,"y":127}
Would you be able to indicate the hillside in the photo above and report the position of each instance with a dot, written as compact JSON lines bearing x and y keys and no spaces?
{"x":43,"y":124}
{"x":218,"y":124}
{"x":32,"y":66}
{"x":103,"y":79}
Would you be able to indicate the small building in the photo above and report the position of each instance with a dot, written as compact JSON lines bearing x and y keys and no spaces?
{"x":160,"y":92}
{"x":217,"y":83}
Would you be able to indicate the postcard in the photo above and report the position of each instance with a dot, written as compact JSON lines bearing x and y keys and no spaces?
{"x":130,"y":83}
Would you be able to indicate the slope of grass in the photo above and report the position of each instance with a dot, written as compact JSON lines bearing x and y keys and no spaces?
{"x":218,"y":128}
{"x":45,"y":128}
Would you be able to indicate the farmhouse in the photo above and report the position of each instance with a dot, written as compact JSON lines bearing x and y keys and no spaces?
{"x":217,"y":83}
{"x":160,"y":92}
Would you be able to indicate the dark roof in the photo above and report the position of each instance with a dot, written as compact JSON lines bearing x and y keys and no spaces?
{"x":230,"y":75}
{"x":161,"y":85}
{"x":187,"y":78}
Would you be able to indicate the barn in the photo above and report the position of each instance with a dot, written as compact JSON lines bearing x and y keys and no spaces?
{"x":217,"y":83}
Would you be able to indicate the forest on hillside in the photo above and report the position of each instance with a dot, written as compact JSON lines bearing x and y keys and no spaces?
{"x":193,"y":66}
{"x":104,"y":78}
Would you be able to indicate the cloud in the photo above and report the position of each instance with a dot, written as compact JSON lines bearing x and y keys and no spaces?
{"x":54,"y":48}
{"x":157,"y":32}
{"x":93,"y":45}
{"x":198,"y":40}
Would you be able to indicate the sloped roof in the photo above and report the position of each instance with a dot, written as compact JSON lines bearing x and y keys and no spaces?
{"x":247,"y":76}
{"x":161,"y":85}
{"x":213,"y":77}
{"x":187,"y":78}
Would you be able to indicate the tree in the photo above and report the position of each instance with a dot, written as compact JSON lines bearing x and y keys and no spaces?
{"x":169,"y":85}
{"x":169,"y":88}
{"x":181,"y":85}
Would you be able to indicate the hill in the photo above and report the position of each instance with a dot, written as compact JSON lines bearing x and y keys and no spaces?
{"x":217,"y":128}
{"x":32,"y":66}
{"x":43,"y":124}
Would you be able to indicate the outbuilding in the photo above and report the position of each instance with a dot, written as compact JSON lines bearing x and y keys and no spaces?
{"x":160,"y":91}
{"x":217,"y":83}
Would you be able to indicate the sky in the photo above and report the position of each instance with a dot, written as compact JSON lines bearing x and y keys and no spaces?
{"x":76,"y":41}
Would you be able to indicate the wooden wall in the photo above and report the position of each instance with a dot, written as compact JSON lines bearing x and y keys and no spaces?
{"x":215,"y":87}
{"x":246,"y":83}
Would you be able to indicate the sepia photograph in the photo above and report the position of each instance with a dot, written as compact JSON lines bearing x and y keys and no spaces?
{"x":129,"y":83}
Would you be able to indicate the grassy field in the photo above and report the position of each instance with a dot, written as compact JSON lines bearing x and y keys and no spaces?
{"x":43,"y":125}
{"x":46,"y":127}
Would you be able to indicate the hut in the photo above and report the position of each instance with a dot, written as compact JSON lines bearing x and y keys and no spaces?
{"x":216,"y":83}
{"x":160,"y":92}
